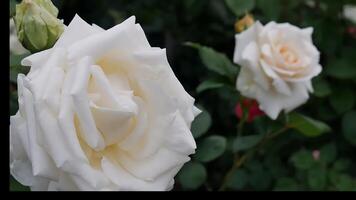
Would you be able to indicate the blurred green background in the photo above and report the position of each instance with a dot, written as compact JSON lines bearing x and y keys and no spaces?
{"x":286,"y":163}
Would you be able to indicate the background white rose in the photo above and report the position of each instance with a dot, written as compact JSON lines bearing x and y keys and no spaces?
{"x":101,"y":110}
{"x":349,"y":12}
{"x":277,"y":62}
{"x":15,"y":45}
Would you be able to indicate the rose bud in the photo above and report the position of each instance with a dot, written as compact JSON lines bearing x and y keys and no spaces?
{"x":252,"y":108}
{"x":244,"y":23}
{"x":37,"y":25}
{"x":316,"y":154}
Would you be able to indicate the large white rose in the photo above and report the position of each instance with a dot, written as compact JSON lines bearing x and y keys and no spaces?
{"x":101,"y":110}
{"x":277,"y":63}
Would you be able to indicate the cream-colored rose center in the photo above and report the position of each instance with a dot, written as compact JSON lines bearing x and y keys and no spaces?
{"x":114,"y":110}
{"x":289,"y":56}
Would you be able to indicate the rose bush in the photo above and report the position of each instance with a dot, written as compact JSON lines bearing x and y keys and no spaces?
{"x":268,"y":158}
{"x":277,"y":63}
{"x":101,"y":110}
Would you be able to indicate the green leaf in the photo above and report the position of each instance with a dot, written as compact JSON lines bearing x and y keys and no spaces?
{"x":254,"y":165}
{"x":238,"y":179}
{"x":325,"y":112}
{"x":321,"y":87}
{"x":210,"y":148}
{"x":286,"y":184}
{"x":333,"y":176}
{"x":349,"y":127}
{"x":246,"y":142}
{"x":192,"y":175}
{"x":344,"y":183}
{"x":270,"y":8}
{"x":328,"y":153}
{"x":215,"y":61}
{"x":193,"y":7}
{"x":16,"y":186}
{"x":317,"y":178}
{"x":342,"y":69}
{"x":260,"y":179}
{"x":307,"y":126}
{"x":15,"y":60}
{"x":201,"y":123}
{"x":240,"y":7}
{"x":275,"y":166}
{"x":341,"y":164}
{"x":209,"y":84}
{"x":293,"y":4}
{"x":302,"y":159}
{"x":16,"y":67}
{"x":12,"y":7}
{"x":342,"y":100}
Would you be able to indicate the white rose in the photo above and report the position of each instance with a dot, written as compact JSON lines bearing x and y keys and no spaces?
{"x":101,"y":110}
{"x":15,"y":45}
{"x":277,"y":63}
{"x":349,"y":12}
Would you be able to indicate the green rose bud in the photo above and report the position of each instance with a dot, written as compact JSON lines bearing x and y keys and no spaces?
{"x":37,"y":25}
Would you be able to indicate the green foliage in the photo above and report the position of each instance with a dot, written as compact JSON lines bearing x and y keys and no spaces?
{"x":210,"y":148}
{"x":328,"y":153}
{"x":246,"y":142}
{"x":209,"y":84}
{"x":238,"y":180}
{"x":321,"y":87}
{"x":259,"y":177}
{"x":216,"y":62}
{"x":16,"y":186}
{"x":192,"y":175}
{"x":286,"y":184}
{"x":317,"y":178}
{"x":342,"y":100}
{"x":341,"y":164}
{"x":349,"y":127}
{"x":12,"y":7}
{"x":201,"y":123}
{"x":240,"y":7}
{"x":303,"y":160}
{"x":16,"y":67}
{"x":323,"y":173}
{"x":342,"y":69}
{"x":307,"y":126}
{"x":271,"y":8}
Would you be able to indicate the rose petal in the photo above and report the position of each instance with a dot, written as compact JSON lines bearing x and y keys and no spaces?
{"x":81,"y":105}
{"x":127,"y":182}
